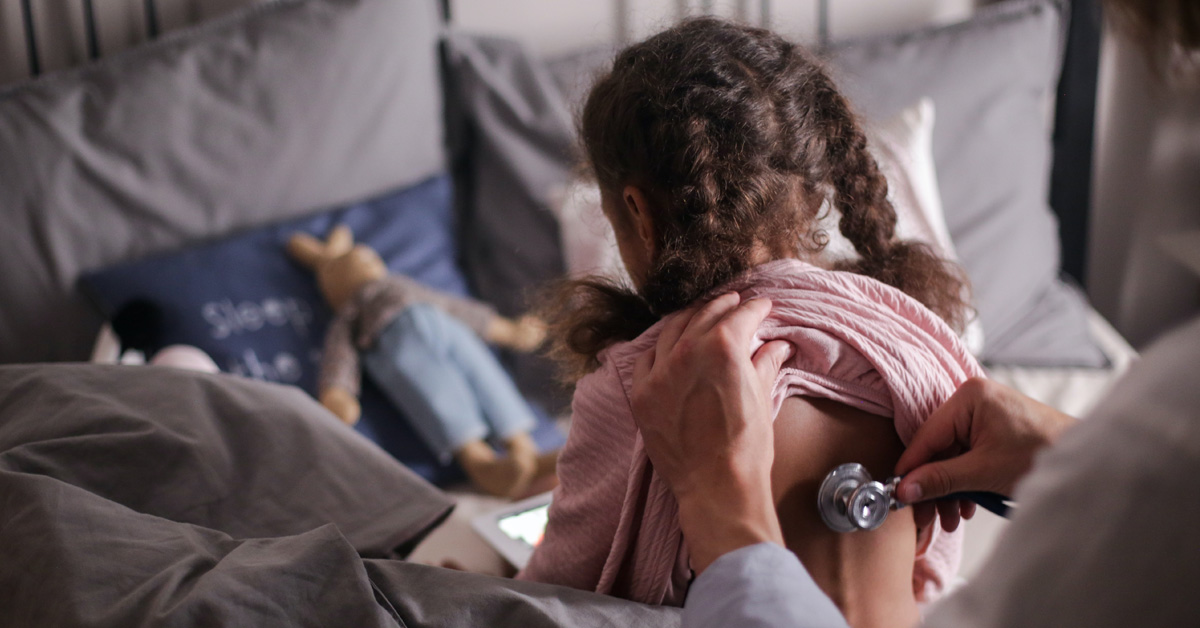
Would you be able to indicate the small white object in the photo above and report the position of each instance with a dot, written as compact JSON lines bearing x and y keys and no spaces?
{"x":185,"y":357}
{"x":107,"y":349}
{"x":515,"y":530}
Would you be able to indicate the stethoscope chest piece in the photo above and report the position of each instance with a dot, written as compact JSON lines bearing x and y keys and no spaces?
{"x":850,"y":500}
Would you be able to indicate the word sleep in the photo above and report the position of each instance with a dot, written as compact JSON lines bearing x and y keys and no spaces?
{"x":226,"y":319}
{"x":283,"y":367}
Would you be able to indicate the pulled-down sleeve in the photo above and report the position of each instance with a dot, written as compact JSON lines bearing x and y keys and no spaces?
{"x":593,"y":470}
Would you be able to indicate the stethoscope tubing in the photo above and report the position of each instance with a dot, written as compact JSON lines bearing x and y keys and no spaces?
{"x":995,"y":503}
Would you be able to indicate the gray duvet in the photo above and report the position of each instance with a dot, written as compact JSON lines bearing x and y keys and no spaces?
{"x":142,"y":496}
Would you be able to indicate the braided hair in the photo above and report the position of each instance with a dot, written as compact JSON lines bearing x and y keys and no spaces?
{"x":739,"y":137}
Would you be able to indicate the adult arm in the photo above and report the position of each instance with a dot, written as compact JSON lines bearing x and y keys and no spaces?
{"x":758,"y":586}
{"x":700,"y":396}
{"x":1104,"y":529}
{"x":703,"y":407}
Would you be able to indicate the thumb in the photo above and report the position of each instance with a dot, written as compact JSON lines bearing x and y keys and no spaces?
{"x":769,"y":359}
{"x":940,"y":478}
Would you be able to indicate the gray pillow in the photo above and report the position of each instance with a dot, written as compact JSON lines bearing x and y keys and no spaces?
{"x":269,"y":113}
{"x":516,"y":157}
{"x":1052,"y":332}
{"x":992,"y":79}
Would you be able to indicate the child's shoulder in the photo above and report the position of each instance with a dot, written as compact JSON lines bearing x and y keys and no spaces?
{"x":601,"y":415}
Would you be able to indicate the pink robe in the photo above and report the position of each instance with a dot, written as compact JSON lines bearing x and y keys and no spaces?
{"x":614,"y":525}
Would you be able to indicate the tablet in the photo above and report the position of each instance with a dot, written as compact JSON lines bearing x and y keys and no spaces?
{"x":515,"y":529}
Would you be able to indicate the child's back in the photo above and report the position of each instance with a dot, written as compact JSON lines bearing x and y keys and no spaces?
{"x":715,"y":147}
{"x":863,"y":351}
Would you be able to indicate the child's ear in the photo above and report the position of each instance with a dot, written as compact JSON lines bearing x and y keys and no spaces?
{"x":638,"y":205}
{"x":306,"y":249}
{"x":340,"y":241}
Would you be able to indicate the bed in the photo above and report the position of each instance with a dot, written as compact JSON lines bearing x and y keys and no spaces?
{"x":171,"y":164}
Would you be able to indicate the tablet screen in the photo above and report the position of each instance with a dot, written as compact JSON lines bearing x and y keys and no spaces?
{"x":526,"y":526}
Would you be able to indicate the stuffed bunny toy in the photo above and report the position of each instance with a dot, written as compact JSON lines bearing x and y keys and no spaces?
{"x":425,"y":351}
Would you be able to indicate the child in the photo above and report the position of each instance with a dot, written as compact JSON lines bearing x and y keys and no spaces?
{"x":715,"y":147}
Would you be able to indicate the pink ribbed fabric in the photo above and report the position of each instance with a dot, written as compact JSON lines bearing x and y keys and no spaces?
{"x":614,"y":524}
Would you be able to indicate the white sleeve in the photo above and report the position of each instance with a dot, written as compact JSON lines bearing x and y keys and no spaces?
{"x":1105,"y":529}
{"x":759,"y":586}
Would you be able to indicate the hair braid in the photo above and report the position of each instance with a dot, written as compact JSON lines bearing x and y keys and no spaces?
{"x":868,"y":220}
{"x":736,"y":136}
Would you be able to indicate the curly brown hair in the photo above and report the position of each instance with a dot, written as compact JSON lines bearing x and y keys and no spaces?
{"x":739,"y":137}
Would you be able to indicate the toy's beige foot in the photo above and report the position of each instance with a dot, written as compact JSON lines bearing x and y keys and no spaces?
{"x":523,"y":452}
{"x":520,"y":447}
{"x":544,"y":469}
{"x":545,"y":476}
{"x":503,"y":477}
{"x":547,"y":464}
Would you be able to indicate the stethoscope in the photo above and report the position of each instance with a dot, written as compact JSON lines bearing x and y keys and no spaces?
{"x":850,"y":500}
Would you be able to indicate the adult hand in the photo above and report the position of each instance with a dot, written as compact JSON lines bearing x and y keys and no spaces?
{"x":703,"y":405}
{"x":983,"y":438}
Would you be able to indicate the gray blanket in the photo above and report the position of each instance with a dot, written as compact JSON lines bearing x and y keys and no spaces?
{"x":141,"y":496}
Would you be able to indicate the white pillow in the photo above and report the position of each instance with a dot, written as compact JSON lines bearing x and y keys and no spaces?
{"x":588,"y":242}
{"x":903,"y":147}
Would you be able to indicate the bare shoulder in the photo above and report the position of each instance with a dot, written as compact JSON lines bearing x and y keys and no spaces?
{"x":869,"y":575}
{"x":812,"y":436}
{"x":819,"y":434}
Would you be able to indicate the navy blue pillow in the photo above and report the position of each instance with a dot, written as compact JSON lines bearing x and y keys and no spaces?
{"x":259,"y":314}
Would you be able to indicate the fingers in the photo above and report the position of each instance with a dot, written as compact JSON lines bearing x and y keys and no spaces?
{"x":769,"y":359}
{"x":641,"y":372}
{"x":744,"y":320}
{"x":941,"y":478}
{"x":948,"y":514}
{"x":674,"y":328}
{"x":946,"y":427}
{"x":924,"y":513}
{"x":710,"y":314}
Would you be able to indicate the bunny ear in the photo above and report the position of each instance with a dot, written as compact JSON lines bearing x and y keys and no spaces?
{"x":306,"y":249}
{"x":340,"y":241}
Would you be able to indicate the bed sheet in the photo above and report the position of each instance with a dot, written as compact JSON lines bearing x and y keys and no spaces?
{"x":1074,"y":390}
{"x":139,"y":496}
